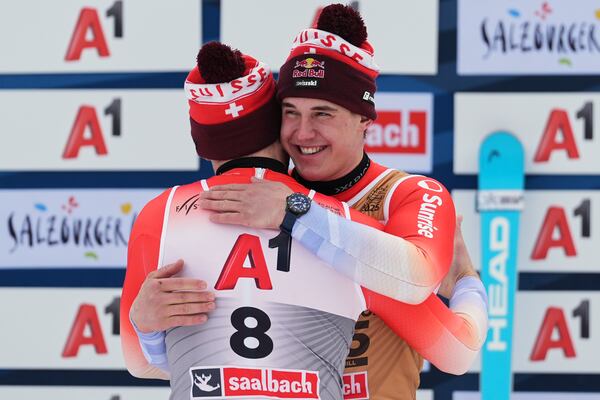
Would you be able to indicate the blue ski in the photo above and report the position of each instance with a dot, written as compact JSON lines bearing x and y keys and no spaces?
{"x":500,"y":200}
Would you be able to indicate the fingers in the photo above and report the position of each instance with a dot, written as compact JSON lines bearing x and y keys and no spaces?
{"x":177,"y":284}
{"x":167,"y":271}
{"x":189,"y":297}
{"x":459,"y":220}
{"x":190,"y":308}
{"x":187,"y":320}
{"x":228,"y":187}
{"x":232,"y":218}
{"x":221,"y":205}
{"x":458,"y":228}
{"x":233,"y":195}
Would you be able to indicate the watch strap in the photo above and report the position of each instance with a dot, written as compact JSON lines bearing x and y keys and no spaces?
{"x":288,"y":222}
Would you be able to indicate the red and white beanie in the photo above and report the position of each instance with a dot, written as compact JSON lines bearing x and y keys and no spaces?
{"x":333,"y":62}
{"x":233,"y":109}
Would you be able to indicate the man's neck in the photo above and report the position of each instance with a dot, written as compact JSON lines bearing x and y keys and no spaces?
{"x":273,"y":151}
{"x":252,"y":162}
{"x":339,"y":185}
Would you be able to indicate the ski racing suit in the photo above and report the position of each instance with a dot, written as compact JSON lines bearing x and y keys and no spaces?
{"x":449,"y":339}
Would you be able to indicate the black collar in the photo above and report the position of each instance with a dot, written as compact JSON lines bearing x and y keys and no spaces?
{"x":253,"y":162}
{"x":339,"y":185}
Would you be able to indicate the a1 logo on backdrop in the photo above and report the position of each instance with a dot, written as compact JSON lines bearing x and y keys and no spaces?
{"x":92,"y":36}
{"x":80,"y":329}
{"x":556,"y":130}
{"x":557,"y":233}
{"x":559,"y":135}
{"x":87,"y":330}
{"x":87,"y":130}
{"x":555,"y":334}
{"x":90,"y":32}
{"x":96,"y":130}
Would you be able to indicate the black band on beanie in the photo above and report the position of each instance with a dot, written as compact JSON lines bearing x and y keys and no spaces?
{"x":333,"y":80}
{"x":239,"y":137}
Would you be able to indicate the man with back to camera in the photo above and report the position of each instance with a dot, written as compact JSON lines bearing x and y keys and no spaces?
{"x":326,"y":87}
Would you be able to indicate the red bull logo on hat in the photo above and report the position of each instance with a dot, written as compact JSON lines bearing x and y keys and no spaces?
{"x":309,"y":68}
{"x":310,"y":63}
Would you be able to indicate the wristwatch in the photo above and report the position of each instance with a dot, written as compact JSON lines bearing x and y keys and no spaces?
{"x":297,"y":204}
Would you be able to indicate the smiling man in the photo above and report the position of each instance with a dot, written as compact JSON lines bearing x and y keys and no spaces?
{"x":327,"y":88}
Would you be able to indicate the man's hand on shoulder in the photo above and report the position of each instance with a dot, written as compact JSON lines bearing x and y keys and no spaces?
{"x":260,"y":204}
{"x":165,"y":301}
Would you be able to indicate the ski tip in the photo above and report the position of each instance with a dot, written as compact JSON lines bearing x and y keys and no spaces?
{"x":501,"y":161}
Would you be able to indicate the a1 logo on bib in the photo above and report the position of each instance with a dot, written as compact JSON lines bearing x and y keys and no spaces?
{"x":206,"y":382}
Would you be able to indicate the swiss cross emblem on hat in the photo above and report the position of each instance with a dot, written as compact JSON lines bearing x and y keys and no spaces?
{"x":234,"y":110}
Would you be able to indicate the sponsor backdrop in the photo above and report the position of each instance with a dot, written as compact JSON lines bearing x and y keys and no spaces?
{"x":94,"y":124}
{"x":531,"y":38}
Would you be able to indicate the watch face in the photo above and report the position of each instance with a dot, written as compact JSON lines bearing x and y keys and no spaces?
{"x":298,"y":203}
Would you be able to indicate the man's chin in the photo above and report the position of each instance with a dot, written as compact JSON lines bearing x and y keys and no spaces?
{"x":312,"y":173}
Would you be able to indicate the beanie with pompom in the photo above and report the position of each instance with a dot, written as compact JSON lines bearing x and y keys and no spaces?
{"x":333,"y":62}
{"x":233,"y":109}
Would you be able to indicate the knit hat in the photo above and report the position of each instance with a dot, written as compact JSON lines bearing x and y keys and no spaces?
{"x":333,"y":62}
{"x":233,"y":109}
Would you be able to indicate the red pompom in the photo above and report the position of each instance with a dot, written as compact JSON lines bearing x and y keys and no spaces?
{"x":343,"y":21}
{"x":219,"y":63}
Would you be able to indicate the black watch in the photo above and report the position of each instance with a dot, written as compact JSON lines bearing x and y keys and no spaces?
{"x":297,"y":204}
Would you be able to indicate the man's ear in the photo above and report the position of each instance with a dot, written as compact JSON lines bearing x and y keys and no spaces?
{"x":365,"y":122}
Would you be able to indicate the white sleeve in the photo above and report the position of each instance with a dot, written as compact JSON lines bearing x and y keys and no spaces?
{"x":154,"y":348}
{"x":469,"y":299}
{"x":379,"y":261}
